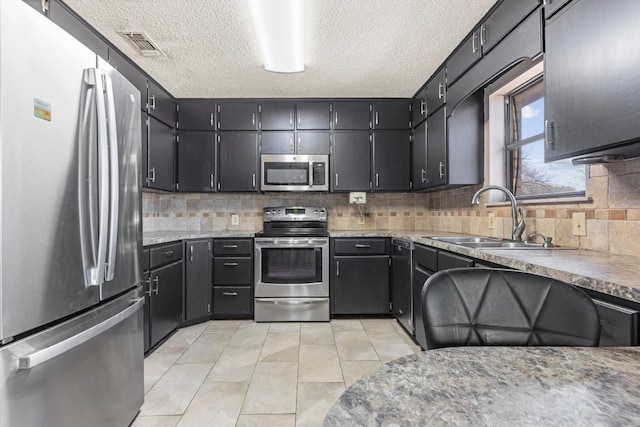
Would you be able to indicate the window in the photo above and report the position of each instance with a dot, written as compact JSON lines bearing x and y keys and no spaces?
{"x":528,"y":176}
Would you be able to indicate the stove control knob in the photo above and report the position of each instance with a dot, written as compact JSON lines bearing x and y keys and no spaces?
{"x":267,"y":213}
{"x":316,"y":212}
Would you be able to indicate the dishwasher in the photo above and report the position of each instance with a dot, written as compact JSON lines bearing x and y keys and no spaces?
{"x":401,"y":279}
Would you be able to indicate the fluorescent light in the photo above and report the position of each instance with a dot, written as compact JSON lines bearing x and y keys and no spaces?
{"x":279,"y":26}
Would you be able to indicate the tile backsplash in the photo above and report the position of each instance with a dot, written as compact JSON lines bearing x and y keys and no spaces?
{"x":612,"y":214}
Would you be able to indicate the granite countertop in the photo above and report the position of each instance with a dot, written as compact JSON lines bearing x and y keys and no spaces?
{"x":498,"y":386}
{"x":600,"y":271}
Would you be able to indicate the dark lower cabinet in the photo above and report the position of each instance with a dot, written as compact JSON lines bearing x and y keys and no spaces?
{"x":166,"y":300}
{"x":425,"y":263}
{"x":350,"y":161}
{"x":232,"y":278}
{"x":147,"y":300}
{"x":198,"y":279}
{"x":359,"y":276}
{"x":160,"y":155}
{"x":238,"y":161}
{"x":619,"y":324}
{"x":196,"y":162}
{"x":400,"y":284}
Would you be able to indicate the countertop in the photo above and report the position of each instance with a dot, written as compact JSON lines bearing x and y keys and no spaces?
{"x":600,"y":271}
{"x":498,"y":386}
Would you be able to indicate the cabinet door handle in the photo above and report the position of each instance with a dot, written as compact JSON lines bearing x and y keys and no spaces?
{"x":299,"y":145}
{"x":422,"y":175}
{"x":230,"y":294}
{"x":291,"y":144}
{"x":423,"y":106}
{"x":253,"y":119}
{"x":361,"y":246}
{"x":156,"y":281}
{"x":230,"y":264}
{"x":253,"y":180}
{"x":211,"y":119}
{"x":377,"y":118}
{"x":291,"y":119}
{"x":299,"y":115}
{"x":211,"y":180}
{"x":441,"y":170}
{"x":336,"y":122}
{"x":230,"y":246}
{"x":474,"y":42}
{"x":191,"y":253}
{"x":337,"y":185}
{"x":337,"y":268}
{"x":152,"y":98}
{"x":168,"y":254}
{"x":548,"y":134}
{"x":152,"y":171}
{"x":440,"y":90}
{"x":483,"y":34}
{"x":377,"y":180}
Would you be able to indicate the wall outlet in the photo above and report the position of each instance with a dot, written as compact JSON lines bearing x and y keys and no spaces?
{"x":579,"y":224}
{"x":492,"y":220}
{"x":235,"y":219}
{"x":361,"y":219}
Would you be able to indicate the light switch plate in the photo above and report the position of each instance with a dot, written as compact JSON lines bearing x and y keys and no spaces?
{"x":357,"y":197}
{"x":492,"y":220}
{"x":235,"y":219}
{"x":579,"y":224}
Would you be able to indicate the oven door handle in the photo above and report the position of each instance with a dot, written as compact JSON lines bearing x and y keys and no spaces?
{"x":290,"y":243}
{"x":280,"y":301}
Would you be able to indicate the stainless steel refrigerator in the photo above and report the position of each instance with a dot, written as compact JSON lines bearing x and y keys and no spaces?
{"x":71,"y":347}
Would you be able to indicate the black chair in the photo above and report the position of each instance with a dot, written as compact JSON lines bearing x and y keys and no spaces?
{"x":483,"y":306}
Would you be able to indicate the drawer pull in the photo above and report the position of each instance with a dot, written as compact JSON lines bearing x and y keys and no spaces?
{"x":168,"y":254}
{"x":230,"y":246}
{"x":359,"y":246}
{"x":230,"y":294}
{"x":230,"y":264}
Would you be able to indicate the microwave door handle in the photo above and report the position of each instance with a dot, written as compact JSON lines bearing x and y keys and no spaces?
{"x":310,"y":174}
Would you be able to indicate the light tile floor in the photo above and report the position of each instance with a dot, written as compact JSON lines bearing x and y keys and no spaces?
{"x":241,"y":373}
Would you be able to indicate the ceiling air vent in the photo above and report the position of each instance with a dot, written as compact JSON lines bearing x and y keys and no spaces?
{"x":142,"y":43}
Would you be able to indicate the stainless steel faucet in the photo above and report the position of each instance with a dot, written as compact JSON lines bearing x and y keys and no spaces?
{"x":518,"y":225}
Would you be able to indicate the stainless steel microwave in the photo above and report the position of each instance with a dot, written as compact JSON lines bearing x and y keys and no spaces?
{"x":292,"y":172}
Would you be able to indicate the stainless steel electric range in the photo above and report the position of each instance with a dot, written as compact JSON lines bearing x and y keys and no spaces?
{"x":292,"y":265}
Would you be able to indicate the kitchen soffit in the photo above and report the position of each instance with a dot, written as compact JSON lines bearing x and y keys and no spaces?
{"x":353,"y":48}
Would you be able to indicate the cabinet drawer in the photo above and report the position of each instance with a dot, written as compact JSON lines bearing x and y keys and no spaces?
{"x":232,"y":300}
{"x":166,"y":254}
{"x":361,"y":246}
{"x":232,"y":247}
{"x":232,"y":270}
{"x":426,"y":258}
{"x":448,"y":260}
{"x":619,"y":324}
{"x":145,"y":260}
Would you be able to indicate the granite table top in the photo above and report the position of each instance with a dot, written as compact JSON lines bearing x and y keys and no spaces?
{"x":497,"y":386}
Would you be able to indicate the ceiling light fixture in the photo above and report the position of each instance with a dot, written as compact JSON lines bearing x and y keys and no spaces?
{"x":279,"y":26}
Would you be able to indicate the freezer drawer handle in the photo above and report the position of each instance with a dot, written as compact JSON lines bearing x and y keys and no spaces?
{"x":46,"y":354}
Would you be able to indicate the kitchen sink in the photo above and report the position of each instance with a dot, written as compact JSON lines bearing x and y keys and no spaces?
{"x":479,"y":242}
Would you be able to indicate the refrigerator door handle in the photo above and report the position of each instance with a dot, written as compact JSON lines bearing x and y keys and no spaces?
{"x":114,"y":179}
{"x":41,"y":356}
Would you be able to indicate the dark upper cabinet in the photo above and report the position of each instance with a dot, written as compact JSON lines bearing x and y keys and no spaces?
{"x":436,"y":91}
{"x":132,"y":73}
{"x":350,"y":161}
{"x":504,"y":19}
{"x":198,"y":279}
{"x":467,"y":54}
{"x":161,"y":156}
{"x":391,"y":114}
{"x":196,"y":114}
{"x":465,"y":142}
{"x":552,"y":6}
{"x":277,"y":142}
{"x":419,"y":157}
{"x":391,"y":161}
{"x":277,"y":116}
{"x":196,"y":162}
{"x":352,"y":115}
{"x":144,"y":139}
{"x":161,"y":105}
{"x":437,"y":149}
{"x":419,"y":108}
{"x":238,"y":161}
{"x":313,"y":115}
{"x":313,"y":142}
{"x":237,"y":116}
{"x":72,"y":24}
{"x":592,"y":78}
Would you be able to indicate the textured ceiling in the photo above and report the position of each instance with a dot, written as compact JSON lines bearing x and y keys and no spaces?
{"x":353,"y":48}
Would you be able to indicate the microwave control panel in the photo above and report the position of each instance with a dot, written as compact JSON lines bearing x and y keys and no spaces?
{"x":319,"y":173}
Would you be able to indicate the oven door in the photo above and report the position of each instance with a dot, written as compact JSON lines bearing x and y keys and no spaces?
{"x":292,"y":267}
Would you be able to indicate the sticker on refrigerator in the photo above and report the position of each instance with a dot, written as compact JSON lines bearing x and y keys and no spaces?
{"x":41,"y":109}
